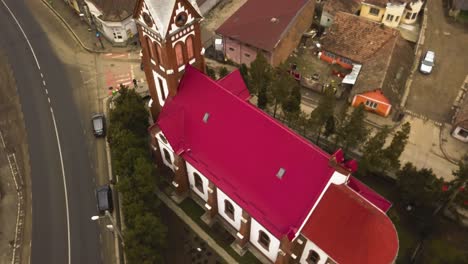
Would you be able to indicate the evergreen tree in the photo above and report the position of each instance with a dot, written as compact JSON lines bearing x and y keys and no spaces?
{"x":244,"y":71}
{"x":211,"y":72}
{"x":262,"y":98}
{"x":292,"y":104}
{"x":393,"y":152}
{"x":372,"y":155}
{"x":354,"y":130}
{"x":223,"y":71}
{"x":323,"y":113}
{"x":260,"y":75}
{"x":280,"y":87}
{"x":458,"y":193}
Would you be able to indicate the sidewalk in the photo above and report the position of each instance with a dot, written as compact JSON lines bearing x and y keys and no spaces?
{"x":80,"y":30}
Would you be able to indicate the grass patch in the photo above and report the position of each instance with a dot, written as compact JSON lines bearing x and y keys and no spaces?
{"x":217,"y":232}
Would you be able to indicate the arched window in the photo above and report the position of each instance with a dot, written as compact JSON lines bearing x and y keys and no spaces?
{"x":163,"y":139}
{"x":198,"y":182}
{"x":264,"y":240}
{"x":149,"y":44}
{"x":179,"y":54}
{"x":156,"y":52}
{"x":229,"y":209}
{"x":167,"y":156}
{"x":313,"y":257}
{"x":189,"y":46}
{"x":159,"y":52}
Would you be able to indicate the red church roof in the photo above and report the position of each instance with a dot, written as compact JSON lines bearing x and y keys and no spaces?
{"x":234,"y":83}
{"x":350,"y":229}
{"x":372,"y":196}
{"x":241,"y":150}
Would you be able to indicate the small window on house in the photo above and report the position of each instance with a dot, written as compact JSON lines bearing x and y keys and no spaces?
{"x":389,"y":18}
{"x":229,"y":209}
{"x":371,"y":104}
{"x":264,"y":240}
{"x":414,"y":15}
{"x":408,"y":15}
{"x":198,"y":182}
{"x":247,"y":55}
{"x":167,"y":156}
{"x":313,"y":257}
{"x":374,"y":11}
{"x":397,"y":18}
{"x":231,"y":49}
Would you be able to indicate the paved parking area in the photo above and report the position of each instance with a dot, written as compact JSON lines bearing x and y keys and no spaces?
{"x":433,"y":95}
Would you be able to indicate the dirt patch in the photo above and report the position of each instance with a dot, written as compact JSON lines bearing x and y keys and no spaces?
{"x":221,"y":13}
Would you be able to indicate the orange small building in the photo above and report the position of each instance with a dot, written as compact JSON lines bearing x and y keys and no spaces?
{"x":374,"y":101}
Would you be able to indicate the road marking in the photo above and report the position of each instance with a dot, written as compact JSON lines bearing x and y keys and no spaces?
{"x":56,"y":134}
{"x":46,"y":91}
{"x":24,"y":34}
{"x":42,"y":76}
{"x":3,"y":141}
{"x":43,"y":82}
{"x":48,"y":99}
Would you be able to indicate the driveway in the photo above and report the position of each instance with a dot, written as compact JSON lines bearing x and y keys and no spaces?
{"x":433,"y":95}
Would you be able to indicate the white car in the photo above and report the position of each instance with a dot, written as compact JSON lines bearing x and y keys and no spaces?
{"x":427,"y":63}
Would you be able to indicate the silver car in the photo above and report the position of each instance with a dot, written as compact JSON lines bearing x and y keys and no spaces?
{"x":427,"y":63}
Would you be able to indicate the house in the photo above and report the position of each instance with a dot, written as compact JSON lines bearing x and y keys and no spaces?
{"x":113,"y":19}
{"x":283,"y":197}
{"x":460,"y":122}
{"x":260,"y":26}
{"x":331,"y":7}
{"x":391,"y":12}
{"x":379,"y":58}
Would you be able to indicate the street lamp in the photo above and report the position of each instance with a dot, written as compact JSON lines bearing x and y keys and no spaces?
{"x":112,"y":227}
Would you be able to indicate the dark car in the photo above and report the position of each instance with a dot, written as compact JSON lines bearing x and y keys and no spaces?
{"x":104,"y":199}
{"x":98,"y":122}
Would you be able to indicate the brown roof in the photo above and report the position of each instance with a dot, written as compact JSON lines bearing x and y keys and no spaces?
{"x":348,"y":6}
{"x":115,"y":10}
{"x":261,"y":23}
{"x":356,"y":38}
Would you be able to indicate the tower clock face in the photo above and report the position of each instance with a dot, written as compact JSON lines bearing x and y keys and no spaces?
{"x":147,"y":19}
{"x":181,"y":19}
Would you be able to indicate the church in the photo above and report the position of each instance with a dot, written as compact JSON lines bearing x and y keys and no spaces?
{"x":280,"y":196}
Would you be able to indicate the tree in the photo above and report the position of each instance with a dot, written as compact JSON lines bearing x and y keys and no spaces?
{"x":244,"y":71}
{"x":292,"y":104}
{"x":260,"y":74}
{"x":458,"y":187}
{"x":223,"y":71}
{"x":420,"y":188}
{"x":393,"y":152}
{"x":262,"y":101}
{"x":441,"y":252}
{"x":280,"y":87}
{"x":323,"y":113}
{"x":353,"y":130}
{"x":372,"y":158}
{"x":211,"y":72}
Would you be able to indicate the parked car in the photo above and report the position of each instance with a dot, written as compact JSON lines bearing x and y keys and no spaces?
{"x":104,"y":199}
{"x":427,"y":63}
{"x":98,"y":123}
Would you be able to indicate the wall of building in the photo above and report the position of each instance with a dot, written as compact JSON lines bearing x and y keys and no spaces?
{"x":410,"y":17}
{"x":365,"y":12}
{"x":272,"y":251}
{"x":293,"y":33}
{"x":165,"y":146}
{"x":381,"y":108}
{"x":393,"y":14}
{"x":326,"y":19}
{"x":191,"y":176}
{"x":118,"y":32}
{"x":236,"y":222}
{"x":311,"y":246}
{"x":238,"y":52}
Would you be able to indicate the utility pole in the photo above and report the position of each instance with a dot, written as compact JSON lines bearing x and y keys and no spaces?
{"x":98,"y":36}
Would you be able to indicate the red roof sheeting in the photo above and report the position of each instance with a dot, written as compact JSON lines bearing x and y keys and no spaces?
{"x":350,"y":229}
{"x":241,"y":149}
{"x":372,"y":196}
{"x":261,"y":23}
{"x":234,"y":83}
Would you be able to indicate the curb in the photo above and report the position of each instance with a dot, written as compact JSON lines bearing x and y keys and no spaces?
{"x":64,"y":22}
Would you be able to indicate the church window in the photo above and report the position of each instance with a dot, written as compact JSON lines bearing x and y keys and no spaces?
{"x":150,"y":48}
{"x":198,"y":182}
{"x":147,"y":19}
{"x":167,"y":156}
{"x":163,"y":139}
{"x":156,"y":52}
{"x":189,"y":46}
{"x":229,"y":209}
{"x":179,"y":54}
{"x":181,"y":19}
{"x":159,"y":53}
{"x":264,"y":240}
{"x":313,"y":257}
{"x":161,"y":90}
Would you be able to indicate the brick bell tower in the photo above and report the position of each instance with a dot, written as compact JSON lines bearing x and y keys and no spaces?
{"x":169,"y":33}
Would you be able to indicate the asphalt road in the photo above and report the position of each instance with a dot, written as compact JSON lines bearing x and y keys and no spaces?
{"x":49,"y":228}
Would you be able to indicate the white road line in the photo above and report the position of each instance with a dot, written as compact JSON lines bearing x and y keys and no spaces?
{"x":42,"y":76}
{"x":56,"y":135}
{"x":48,"y":99}
{"x":24,"y":34}
{"x":43,"y":82}
{"x":3,"y":141}
{"x":46,"y":91}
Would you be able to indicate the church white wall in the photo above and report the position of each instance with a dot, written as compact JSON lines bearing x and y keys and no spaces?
{"x":165,"y":146}
{"x":311,"y":246}
{"x":164,"y":88}
{"x":236,"y":223}
{"x":190,"y":171}
{"x":338,"y":178}
{"x":180,"y":8}
{"x":272,"y":251}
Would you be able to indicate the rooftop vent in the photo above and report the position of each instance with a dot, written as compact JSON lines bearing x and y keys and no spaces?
{"x":205,"y":117}
{"x":274,"y":20}
{"x":280,"y":173}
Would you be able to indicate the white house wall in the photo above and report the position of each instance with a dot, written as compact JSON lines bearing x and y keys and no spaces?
{"x":190,"y":171}
{"x":311,"y":246}
{"x":255,"y":229}
{"x":236,"y":223}
{"x":167,"y":147}
{"x":397,"y":11}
